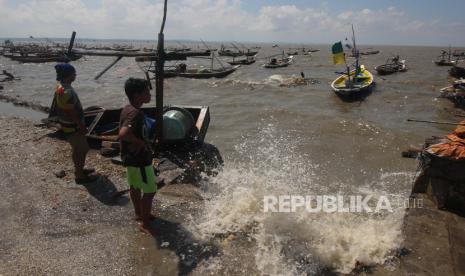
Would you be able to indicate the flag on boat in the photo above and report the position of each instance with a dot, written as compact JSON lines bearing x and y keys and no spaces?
{"x":338,"y":53}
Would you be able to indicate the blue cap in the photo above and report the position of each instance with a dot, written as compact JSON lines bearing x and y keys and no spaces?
{"x":64,"y":70}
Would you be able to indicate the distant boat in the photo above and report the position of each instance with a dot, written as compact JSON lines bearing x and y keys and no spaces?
{"x":200,"y":73}
{"x":372,"y":52}
{"x":276,"y":63}
{"x":443,"y":61}
{"x":309,"y":51}
{"x":246,"y":61}
{"x":391,"y":66}
{"x":365,"y":52}
{"x":182,"y":71}
{"x":230,"y":53}
{"x":292,"y":52}
{"x":43,"y":59}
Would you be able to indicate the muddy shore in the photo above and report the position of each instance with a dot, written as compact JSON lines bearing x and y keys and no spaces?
{"x":52,"y":226}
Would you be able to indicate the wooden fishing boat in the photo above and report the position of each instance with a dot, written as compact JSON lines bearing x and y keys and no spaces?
{"x":356,"y":81}
{"x":309,"y":51}
{"x":457,"y":72}
{"x":455,"y":93}
{"x":293,"y":53}
{"x":371,"y":52}
{"x":443,"y":61}
{"x":43,"y":59}
{"x":391,"y":66}
{"x":313,"y":50}
{"x":230,"y":53}
{"x":353,"y":84}
{"x":103,"y":124}
{"x":181,"y":70}
{"x":277,"y":63}
{"x":246,"y":61}
{"x":200,"y":73}
{"x":249,"y":53}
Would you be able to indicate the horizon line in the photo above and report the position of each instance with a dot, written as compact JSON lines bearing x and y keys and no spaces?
{"x":228,"y":41}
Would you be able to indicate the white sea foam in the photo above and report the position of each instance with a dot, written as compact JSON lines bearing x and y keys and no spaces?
{"x":300,"y":242}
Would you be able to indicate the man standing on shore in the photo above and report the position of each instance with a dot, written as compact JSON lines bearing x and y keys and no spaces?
{"x":71,"y":118}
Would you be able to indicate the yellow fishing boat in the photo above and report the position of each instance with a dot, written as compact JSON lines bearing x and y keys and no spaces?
{"x":348,"y":85}
{"x":355,"y":81}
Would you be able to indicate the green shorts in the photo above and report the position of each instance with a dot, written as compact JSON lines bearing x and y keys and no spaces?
{"x":136,"y":179}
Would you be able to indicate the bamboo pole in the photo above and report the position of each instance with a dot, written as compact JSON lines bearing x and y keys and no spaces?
{"x":436,"y":122}
{"x":108,"y":67}
{"x":71,"y":43}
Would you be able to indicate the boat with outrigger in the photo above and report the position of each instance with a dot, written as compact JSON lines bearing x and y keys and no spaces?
{"x":445,"y":59}
{"x":276,"y":62}
{"x":354,"y":81}
{"x":392,"y":65}
{"x":246,"y":61}
{"x":182,"y":70}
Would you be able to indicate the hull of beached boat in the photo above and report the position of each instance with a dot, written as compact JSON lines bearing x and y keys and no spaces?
{"x":363,"y":82}
{"x":103,"y":124}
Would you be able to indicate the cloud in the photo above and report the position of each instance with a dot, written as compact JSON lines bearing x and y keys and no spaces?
{"x":217,"y":20}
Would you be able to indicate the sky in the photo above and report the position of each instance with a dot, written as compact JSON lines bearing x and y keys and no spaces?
{"x":376,"y":22}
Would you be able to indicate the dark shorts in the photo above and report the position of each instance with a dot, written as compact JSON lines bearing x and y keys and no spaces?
{"x":78,"y":142}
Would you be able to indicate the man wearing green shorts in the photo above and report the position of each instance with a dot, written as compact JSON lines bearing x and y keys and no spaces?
{"x":136,"y":152}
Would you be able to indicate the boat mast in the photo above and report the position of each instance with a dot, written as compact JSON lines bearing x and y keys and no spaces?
{"x":355,"y":50}
{"x":159,"y":77}
{"x":449,"y":52}
{"x":213,"y":57}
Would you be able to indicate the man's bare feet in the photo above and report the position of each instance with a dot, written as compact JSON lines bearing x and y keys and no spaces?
{"x":145,"y":229}
{"x":151,"y":217}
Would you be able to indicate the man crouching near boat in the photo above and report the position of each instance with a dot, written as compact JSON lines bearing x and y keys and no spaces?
{"x":71,"y":118}
{"x":136,"y":152}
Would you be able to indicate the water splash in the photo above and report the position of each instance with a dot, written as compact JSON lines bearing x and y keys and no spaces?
{"x":299,"y":242}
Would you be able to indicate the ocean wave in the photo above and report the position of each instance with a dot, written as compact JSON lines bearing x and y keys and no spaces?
{"x":299,"y":242}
